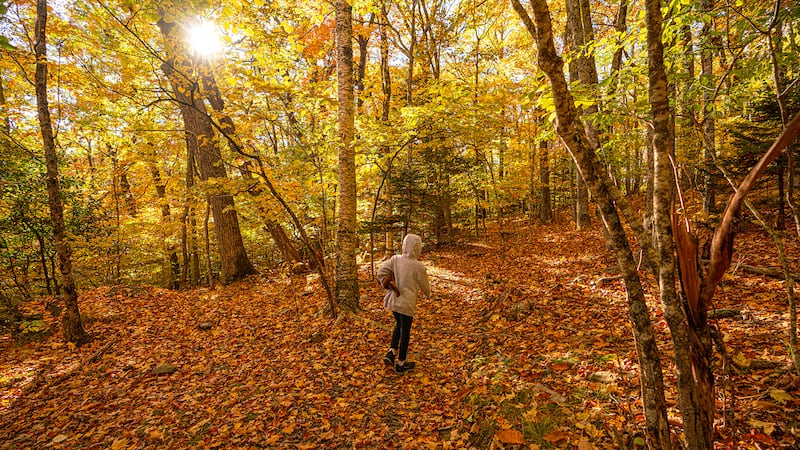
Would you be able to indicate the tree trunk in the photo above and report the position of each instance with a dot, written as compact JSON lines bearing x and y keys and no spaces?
{"x":582,"y":69}
{"x":709,"y":124}
{"x":574,"y":136}
{"x":190,"y":275}
{"x":583,"y":219}
{"x":284,"y":244}
{"x":173,"y":267}
{"x":71,"y":323}
{"x":43,"y":260}
{"x":386,"y":76}
{"x":545,"y":205}
{"x":346,"y":267}
{"x":691,"y":342}
{"x":201,"y":137}
{"x":363,"y":42}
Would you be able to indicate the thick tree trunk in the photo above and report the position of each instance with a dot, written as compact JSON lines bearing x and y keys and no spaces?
{"x":202,"y":139}
{"x":574,"y":136}
{"x":346,"y":268}
{"x":71,"y":323}
{"x":691,"y":341}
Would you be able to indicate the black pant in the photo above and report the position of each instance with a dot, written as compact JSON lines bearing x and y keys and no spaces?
{"x":401,"y":334}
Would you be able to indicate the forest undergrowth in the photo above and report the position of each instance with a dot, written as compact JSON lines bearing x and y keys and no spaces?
{"x":526,"y":344}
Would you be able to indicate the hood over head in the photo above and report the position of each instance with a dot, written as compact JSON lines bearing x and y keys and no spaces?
{"x":412,"y":246}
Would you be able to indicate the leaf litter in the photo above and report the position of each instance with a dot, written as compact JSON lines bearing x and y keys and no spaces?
{"x":526,"y":344}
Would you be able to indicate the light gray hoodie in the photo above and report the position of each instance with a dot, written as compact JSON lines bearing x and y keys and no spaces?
{"x":410,"y":276}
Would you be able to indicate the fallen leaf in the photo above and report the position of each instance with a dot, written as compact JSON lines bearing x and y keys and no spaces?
{"x":762,"y":438}
{"x":554,"y":437}
{"x":780,"y":396}
{"x":509,"y":436}
{"x":766,"y":427}
{"x":741,"y":361}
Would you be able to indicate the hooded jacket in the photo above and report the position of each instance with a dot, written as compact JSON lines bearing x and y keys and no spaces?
{"x":410,"y":276}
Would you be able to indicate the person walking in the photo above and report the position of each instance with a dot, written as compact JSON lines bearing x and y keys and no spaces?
{"x":410,"y":277}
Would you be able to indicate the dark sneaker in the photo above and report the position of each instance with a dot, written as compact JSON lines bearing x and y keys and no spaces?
{"x":408,"y":366}
{"x":389,"y":359}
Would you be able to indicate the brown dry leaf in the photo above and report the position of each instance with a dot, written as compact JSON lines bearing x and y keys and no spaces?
{"x":509,"y":436}
{"x":119,"y":444}
{"x":554,"y":437}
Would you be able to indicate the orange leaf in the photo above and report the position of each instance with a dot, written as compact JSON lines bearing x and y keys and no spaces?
{"x":512,"y":437}
{"x":555,"y":437}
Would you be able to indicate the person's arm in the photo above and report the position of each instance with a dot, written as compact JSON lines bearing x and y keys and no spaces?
{"x":384,"y":269}
{"x":424,"y":285}
{"x":386,"y":277}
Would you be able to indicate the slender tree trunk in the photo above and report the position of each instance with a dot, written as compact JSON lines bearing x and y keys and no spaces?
{"x":346,"y":267}
{"x":207,"y":240}
{"x":5,"y":123}
{"x":190,"y":275}
{"x":620,"y":26}
{"x":571,"y":131}
{"x":361,"y":69}
{"x":411,"y":49}
{"x":582,"y":68}
{"x":71,"y":323}
{"x":691,"y":342}
{"x":43,"y":261}
{"x":386,"y":75}
{"x":545,"y":205}
{"x":173,"y":267}
{"x":709,"y":123}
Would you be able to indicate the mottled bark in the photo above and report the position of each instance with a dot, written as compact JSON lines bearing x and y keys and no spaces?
{"x":571,"y":131}
{"x":691,"y":343}
{"x":71,"y":323}
{"x":346,"y":267}
{"x":201,"y":137}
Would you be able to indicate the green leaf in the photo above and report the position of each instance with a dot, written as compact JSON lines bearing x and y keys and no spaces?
{"x":5,"y":44}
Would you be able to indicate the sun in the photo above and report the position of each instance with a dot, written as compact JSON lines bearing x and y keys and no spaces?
{"x":204,"y":38}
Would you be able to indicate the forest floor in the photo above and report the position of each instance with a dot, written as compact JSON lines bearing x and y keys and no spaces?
{"x":526,"y":344}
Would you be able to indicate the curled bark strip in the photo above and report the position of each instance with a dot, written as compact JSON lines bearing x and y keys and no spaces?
{"x":722,"y":242}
